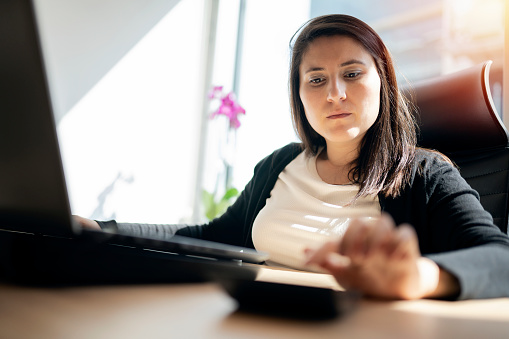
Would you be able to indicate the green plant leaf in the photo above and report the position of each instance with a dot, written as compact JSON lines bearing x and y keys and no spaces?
{"x":209,"y":204}
{"x":207,"y":199}
{"x":211,"y":213}
{"x":222,"y":206}
{"x":214,"y":208}
{"x":231,"y":193}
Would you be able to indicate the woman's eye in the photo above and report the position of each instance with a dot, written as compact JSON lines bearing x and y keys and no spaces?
{"x":316,"y":81}
{"x":351,"y":75}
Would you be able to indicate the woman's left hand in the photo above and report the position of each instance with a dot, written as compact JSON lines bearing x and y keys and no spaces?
{"x":382,"y":260}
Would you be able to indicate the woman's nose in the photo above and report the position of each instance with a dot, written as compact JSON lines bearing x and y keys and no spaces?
{"x":337,"y":91}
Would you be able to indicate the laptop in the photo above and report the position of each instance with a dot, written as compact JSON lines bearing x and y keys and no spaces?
{"x":38,"y":240}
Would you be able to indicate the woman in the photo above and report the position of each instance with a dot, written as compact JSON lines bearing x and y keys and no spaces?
{"x":355,"y":176}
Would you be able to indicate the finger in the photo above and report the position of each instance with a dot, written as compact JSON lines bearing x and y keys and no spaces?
{"x":403,"y":242}
{"x":380,"y":236}
{"x":406,"y":243}
{"x":86,"y":223}
{"x":317,"y":256}
{"x":353,"y":243}
{"x":335,"y":264}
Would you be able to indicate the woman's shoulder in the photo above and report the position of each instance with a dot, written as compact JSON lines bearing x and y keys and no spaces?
{"x":430,"y":157}
{"x":281,"y":156}
{"x":290,"y":150}
{"x":432,"y":173}
{"x":429,"y":163}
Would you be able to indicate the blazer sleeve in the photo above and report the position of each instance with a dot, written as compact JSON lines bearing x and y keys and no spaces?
{"x":464,"y":238}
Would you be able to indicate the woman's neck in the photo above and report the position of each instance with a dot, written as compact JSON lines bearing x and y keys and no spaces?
{"x":340,"y":156}
{"x":334,"y":164}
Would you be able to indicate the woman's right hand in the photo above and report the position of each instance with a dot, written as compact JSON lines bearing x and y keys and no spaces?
{"x":86,"y":223}
{"x":382,"y":260}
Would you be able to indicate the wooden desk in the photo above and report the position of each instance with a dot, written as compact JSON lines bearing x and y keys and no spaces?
{"x":206,"y":311}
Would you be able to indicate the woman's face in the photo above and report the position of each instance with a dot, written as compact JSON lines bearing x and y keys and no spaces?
{"x":340,"y":89}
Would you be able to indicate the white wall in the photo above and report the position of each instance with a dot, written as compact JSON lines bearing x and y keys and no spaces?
{"x":84,"y":39}
{"x":126,"y":78}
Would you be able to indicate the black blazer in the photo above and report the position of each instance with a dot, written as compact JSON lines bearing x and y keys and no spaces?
{"x":452,"y":227}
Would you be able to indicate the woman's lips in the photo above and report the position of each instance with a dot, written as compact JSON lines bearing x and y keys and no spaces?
{"x":339,"y":115}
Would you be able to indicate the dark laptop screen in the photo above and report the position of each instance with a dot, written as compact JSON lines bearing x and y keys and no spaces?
{"x":33,"y":194}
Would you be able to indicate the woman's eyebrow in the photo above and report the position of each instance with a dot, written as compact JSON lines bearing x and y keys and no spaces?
{"x":346,"y":63}
{"x":353,"y":61}
{"x":314,"y":69}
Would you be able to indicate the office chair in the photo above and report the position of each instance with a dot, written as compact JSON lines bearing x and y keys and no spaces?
{"x":457,"y":117}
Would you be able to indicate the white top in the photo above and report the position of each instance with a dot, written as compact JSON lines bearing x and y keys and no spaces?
{"x":304,"y":211}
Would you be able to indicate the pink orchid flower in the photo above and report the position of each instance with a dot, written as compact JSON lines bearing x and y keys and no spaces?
{"x":229,"y":106}
{"x":215,"y":92}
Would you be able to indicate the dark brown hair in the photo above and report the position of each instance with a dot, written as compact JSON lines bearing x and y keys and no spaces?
{"x":388,"y":147}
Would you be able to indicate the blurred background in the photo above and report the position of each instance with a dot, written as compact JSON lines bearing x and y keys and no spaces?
{"x":130,"y":81}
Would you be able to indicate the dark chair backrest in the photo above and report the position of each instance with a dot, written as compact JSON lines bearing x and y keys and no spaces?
{"x":457,"y":117}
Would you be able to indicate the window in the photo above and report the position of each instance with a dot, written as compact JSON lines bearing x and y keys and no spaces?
{"x":129,"y":139}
